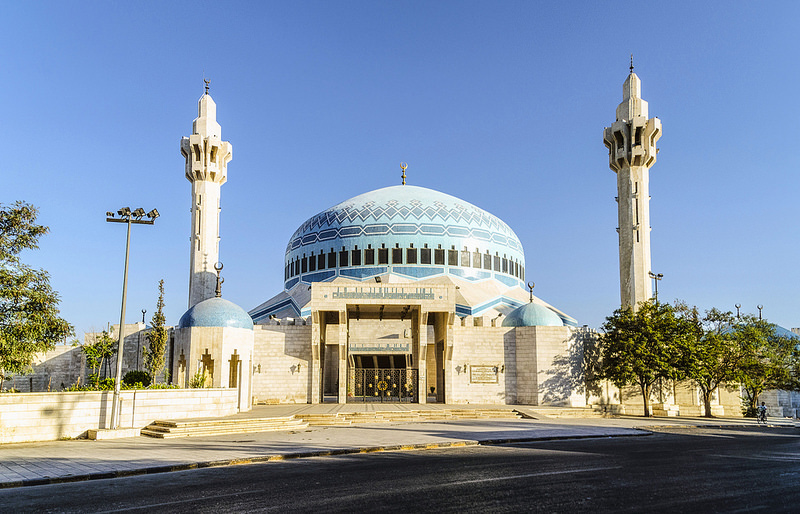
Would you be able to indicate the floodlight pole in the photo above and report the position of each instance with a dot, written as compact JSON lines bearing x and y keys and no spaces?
{"x":127,"y":217}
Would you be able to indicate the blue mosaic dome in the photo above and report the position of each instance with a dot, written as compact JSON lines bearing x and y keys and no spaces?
{"x":533,"y":315}
{"x":216,"y":312}
{"x":410,"y":231}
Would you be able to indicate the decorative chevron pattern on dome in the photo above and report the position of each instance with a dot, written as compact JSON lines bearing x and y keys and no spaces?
{"x":416,"y":211}
{"x":405,"y":229}
{"x":401,"y":217}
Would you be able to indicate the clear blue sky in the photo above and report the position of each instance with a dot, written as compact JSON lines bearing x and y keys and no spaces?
{"x":499,"y":103}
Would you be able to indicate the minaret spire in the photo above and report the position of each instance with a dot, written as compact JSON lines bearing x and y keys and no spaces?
{"x":631,"y":142}
{"x":207,"y":158}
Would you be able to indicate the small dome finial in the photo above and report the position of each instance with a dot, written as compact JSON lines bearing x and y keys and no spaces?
{"x":220,"y":280}
{"x":403,"y":166}
{"x":207,"y":82}
{"x":631,"y":63}
{"x":531,"y":285}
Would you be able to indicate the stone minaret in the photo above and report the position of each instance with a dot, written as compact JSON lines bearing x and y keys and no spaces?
{"x":207,"y":158}
{"x":631,"y":143}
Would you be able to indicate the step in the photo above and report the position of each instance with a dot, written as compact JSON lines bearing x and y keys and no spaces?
{"x":195,"y":428}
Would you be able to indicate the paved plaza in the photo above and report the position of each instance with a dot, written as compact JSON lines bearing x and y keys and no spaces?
{"x":39,"y":463}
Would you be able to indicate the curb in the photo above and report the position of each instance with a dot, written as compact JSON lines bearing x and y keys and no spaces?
{"x":232,"y":462}
{"x":295,"y":455}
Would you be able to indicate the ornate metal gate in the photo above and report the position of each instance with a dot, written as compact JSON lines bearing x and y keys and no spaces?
{"x":382,"y":385}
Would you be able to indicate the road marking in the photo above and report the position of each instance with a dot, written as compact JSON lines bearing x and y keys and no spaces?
{"x":527,"y":475}
{"x":768,"y":457}
{"x":240,"y":494}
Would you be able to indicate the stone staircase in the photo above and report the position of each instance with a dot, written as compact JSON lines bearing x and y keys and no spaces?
{"x":564,"y":412}
{"x":206,"y":427}
{"x":410,"y":416}
{"x":197,"y":428}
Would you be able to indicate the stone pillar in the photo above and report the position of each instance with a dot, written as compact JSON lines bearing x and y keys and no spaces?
{"x":207,"y":158}
{"x":343,"y":379}
{"x":315,"y":366}
{"x":419,"y":322}
{"x":449,"y":338}
{"x":631,"y":143}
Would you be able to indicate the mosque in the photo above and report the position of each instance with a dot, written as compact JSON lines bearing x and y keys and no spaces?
{"x":401,"y":294}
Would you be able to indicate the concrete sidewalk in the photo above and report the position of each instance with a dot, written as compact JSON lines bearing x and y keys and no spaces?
{"x":41,"y":463}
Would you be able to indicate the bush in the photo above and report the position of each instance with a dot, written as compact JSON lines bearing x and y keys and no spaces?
{"x":163,"y":386}
{"x":198,"y":381}
{"x":137,"y":377}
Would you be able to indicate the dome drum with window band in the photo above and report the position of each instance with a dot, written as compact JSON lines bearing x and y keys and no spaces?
{"x":410,"y":231}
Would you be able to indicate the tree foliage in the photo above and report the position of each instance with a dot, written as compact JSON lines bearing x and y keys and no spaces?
{"x":99,"y":352}
{"x":716,"y":356}
{"x":157,"y":337}
{"x":29,"y":316}
{"x":643,"y":346}
{"x":767,"y":362}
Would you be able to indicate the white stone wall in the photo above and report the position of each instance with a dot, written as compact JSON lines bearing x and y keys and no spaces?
{"x":28,"y":417}
{"x":53,"y":370}
{"x":282,"y":360}
{"x":482,"y":346}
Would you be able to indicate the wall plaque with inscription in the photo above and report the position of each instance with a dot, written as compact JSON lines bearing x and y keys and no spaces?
{"x":483,"y":374}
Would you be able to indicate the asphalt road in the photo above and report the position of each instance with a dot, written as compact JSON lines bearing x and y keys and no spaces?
{"x":678,"y":470}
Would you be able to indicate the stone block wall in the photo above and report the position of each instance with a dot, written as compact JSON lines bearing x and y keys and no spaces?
{"x":281,"y":363}
{"x":26,"y":417}
{"x":52,"y":371}
{"x":482,"y":346}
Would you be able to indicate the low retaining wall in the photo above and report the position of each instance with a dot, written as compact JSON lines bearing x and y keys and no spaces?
{"x":26,"y":417}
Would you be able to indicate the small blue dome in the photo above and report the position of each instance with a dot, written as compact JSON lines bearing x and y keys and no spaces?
{"x":532,"y":315}
{"x":216,"y":312}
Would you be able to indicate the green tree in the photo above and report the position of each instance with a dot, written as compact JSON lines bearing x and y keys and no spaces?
{"x":644,"y":346}
{"x":98,"y":352}
{"x":716,"y":355}
{"x":29,"y":316}
{"x":157,"y":337}
{"x":767,"y":362}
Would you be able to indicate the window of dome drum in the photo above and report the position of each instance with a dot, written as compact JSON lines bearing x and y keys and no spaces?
{"x":425,"y":255}
{"x":413,"y":255}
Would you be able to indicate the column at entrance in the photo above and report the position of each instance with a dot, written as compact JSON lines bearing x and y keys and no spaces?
{"x":420,"y":323}
{"x":315,"y":369}
{"x":343,"y":377}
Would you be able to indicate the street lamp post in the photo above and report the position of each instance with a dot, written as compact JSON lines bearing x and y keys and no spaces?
{"x":657,"y":278}
{"x":129,"y":217}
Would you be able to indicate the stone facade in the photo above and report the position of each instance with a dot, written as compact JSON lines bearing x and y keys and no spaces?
{"x":223,"y":356}
{"x":281,"y":357}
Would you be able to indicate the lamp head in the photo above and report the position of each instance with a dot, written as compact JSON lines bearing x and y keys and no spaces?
{"x":153,"y":214}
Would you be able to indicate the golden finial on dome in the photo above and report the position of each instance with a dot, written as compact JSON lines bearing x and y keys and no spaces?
{"x":403,"y":166}
{"x":531,"y":285}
